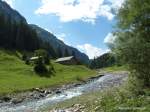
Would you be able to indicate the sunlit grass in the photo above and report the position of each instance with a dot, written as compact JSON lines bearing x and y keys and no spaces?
{"x":17,"y":76}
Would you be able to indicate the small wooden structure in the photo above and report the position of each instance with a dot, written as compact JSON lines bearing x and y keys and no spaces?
{"x":34,"y":59}
{"x":71,"y":60}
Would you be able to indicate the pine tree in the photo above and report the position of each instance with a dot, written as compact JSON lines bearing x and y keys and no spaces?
{"x":66,"y":53}
{"x":59,"y":52}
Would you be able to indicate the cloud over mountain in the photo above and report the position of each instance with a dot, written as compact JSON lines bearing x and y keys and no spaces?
{"x":84,"y":10}
{"x":91,"y":50}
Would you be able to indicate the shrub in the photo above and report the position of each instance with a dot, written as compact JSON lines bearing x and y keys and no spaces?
{"x":44,"y":54}
{"x":40,"y":67}
{"x":27,"y":61}
{"x":24,"y":57}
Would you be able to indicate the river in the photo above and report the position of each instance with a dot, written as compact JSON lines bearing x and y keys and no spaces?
{"x":100,"y":83}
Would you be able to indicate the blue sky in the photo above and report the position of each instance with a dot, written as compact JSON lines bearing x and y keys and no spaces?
{"x":83,"y":24}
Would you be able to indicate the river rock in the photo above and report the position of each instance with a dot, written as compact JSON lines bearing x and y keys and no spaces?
{"x":36,"y":96}
{"x":6,"y":98}
{"x":37,"y":89}
{"x":76,"y":85}
{"x":42,"y":91}
{"x":42,"y":95}
{"x":17,"y":100}
{"x":58,"y":92}
{"x":47,"y":92}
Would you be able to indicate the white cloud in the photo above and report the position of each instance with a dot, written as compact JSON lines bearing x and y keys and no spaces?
{"x":85,"y":10}
{"x":109,"y":39}
{"x":61,"y":37}
{"x":48,"y":30}
{"x":10,"y":2}
{"x":105,"y":11}
{"x":91,"y":50}
{"x":116,"y":3}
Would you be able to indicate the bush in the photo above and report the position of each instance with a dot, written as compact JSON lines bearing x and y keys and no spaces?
{"x":44,"y":54}
{"x":24,"y":57}
{"x":40,"y":67}
{"x":27,"y":61}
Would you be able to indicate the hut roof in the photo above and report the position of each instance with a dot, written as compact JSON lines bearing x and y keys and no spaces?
{"x":64,"y":59}
{"x":35,"y":58}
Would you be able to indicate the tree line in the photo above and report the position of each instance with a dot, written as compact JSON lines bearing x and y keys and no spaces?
{"x":17,"y":35}
{"x":105,"y":60}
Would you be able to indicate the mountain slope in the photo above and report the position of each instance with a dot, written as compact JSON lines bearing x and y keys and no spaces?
{"x":11,"y":13}
{"x":56,"y":44}
{"x":15,"y":32}
{"x":24,"y":32}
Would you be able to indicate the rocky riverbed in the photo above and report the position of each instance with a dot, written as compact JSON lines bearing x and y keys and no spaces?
{"x":38,"y":93}
{"x":39,"y":98}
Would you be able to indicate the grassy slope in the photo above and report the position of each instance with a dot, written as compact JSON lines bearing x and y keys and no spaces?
{"x":16,"y":76}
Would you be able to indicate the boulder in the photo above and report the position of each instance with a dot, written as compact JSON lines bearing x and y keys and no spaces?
{"x":17,"y":100}
{"x":38,"y":90}
{"x":47,"y":92}
{"x":36,"y":96}
{"x":76,"y":85}
{"x":6,"y":98}
{"x":42,"y":95}
{"x":58,"y":92}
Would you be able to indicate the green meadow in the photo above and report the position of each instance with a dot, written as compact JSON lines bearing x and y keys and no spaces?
{"x":16,"y":76}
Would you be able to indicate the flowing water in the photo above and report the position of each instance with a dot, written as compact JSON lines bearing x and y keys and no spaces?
{"x":105,"y":81}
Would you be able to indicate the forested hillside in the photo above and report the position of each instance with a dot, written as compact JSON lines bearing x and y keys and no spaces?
{"x":105,"y":60}
{"x":16,"y":33}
